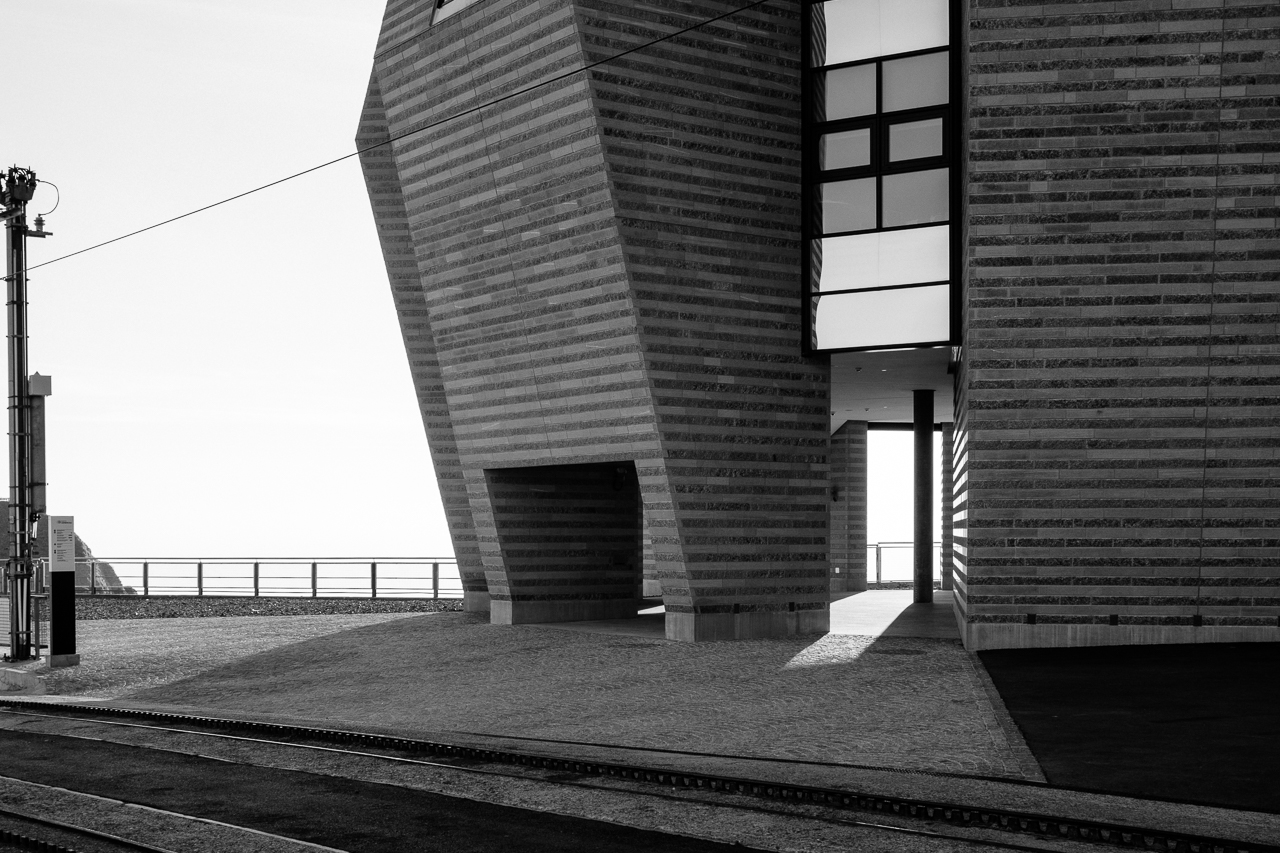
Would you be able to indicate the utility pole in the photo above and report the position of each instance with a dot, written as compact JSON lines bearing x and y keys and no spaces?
{"x":19,"y":187}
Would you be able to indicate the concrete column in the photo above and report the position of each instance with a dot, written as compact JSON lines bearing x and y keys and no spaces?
{"x":848,"y":537}
{"x":948,"y":503}
{"x":922,"y":428}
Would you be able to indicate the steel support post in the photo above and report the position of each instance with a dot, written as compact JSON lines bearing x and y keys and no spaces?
{"x":18,"y":189}
{"x":922,"y":423}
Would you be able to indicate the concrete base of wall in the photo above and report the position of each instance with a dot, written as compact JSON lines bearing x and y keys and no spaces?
{"x":475,"y":602}
{"x":981,"y":636}
{"x":21,"y":679}
{"x":651,"y":588}
{"x":532,"y":612}
{"x":708,"y":627}
{"x":64,"y":660}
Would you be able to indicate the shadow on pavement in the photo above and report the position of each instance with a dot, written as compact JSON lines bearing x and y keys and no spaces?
{"x":1184,"y":722}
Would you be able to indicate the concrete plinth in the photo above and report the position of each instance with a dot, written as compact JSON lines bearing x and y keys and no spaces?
{"x":754,"y":625}
{"x":532,"y":612}
{"x":64,"y":660}
{"x":986,"y":635}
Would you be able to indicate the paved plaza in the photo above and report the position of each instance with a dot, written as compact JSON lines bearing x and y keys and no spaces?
{"x":888,"y":701}
{"x":890,"y":686}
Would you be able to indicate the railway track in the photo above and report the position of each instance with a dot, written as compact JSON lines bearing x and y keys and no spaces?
{"x":22,"y":831}
{"x":993,"y":828}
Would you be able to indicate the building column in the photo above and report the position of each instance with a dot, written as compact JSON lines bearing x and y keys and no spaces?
{"x":922,"y":428}
{"x":948,"y":503}
{"x":848,"y":542}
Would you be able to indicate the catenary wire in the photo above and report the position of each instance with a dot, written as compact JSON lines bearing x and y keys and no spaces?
{"x":398,"y":137}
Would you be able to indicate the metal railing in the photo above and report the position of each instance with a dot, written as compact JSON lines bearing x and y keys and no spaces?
{"x":334,"y":577}
{"x":900,"y":567}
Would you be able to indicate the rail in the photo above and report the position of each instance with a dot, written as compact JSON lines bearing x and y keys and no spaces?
{"x":331,"y":577}
{"x":298,"y":577}
{"x":900,"y":567}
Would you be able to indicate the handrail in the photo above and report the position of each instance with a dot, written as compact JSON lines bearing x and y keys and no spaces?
{"x":879,"y":546}
{"x":260,"y":577}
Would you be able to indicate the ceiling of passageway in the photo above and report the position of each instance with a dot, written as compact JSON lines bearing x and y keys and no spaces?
{"x":877,"y":386}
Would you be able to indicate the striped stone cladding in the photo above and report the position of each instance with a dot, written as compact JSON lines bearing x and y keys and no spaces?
{"x":959,"y":551}
{"x":946,"y":508}
{"x":701,"y":139}
{"x":1121,"y":379}
{"x":848,"y":458}
{"x":385,"y":197}
{"x":532,"y":282}
{"x":518,"y":257}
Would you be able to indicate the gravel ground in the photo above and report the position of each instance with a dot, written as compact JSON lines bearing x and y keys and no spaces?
{"x":119,"y":657}
{"x":90,"y":608}
{"x":891,"y":702}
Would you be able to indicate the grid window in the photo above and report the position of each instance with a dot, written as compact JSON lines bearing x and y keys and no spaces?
{"x":879,"y":186}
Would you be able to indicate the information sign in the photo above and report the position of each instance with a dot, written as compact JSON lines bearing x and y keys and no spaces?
{"x":62,"y":543}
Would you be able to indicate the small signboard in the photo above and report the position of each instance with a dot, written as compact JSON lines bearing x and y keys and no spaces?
{"x":62,"y":543}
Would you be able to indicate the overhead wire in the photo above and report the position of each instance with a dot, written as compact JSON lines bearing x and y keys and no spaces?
{"x":462,"y":113}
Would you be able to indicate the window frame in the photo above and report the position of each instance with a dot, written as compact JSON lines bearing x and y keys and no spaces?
{"x":812,"y":175}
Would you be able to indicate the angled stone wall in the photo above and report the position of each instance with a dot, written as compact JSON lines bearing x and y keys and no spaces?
{"x":577,"y":319}
{"x":387,"y":200}
{"x":701,"y":139}
{"x":1117,"y":478}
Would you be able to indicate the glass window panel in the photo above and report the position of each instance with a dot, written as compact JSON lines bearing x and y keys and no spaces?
{"x":915,"y":139}
{"x":848,"y":205}
{"x":850,"y":92}
{"x":883,"y":318}
{"x":845,"y":150}
{"x":447,"y":8}
{"x":861,"y":29}
{"x":913,"y":198}
{"x":852,"y":30}
{"x":913,"y":25}
{"x":917,"y":81}
{"x":882,"y":259}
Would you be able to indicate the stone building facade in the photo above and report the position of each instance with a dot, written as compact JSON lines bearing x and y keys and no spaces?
{"x":629,"y":243}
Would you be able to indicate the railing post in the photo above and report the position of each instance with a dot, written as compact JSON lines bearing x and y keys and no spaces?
{"x":93,"y":578}
{"x":435,"y":580}
{"x":313,"y":580}
{"x":200,"y":578}
{"x":879,"y":562}
{"x":146,"y":579}
{"x":373,"y":580}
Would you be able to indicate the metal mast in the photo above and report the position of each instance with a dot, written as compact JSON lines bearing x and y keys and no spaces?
{"x":19,"y":187}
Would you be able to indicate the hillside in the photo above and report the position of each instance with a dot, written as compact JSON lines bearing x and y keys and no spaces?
{"x":108,"y":580}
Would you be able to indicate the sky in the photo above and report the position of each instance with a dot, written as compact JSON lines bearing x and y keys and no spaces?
{"x":232,"y":384}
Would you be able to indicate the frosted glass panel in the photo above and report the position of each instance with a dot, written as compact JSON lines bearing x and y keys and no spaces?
{"x":845,"y":150}
{"x":848,"y":205}
{"x":914,"y":198}
{"x":850,"y":92}
{"x":913,"y":315}
{"x":861,"y":29}
{"x":912,"y":140}
{"x":917,"y":81}
{"x":884,"y":258}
